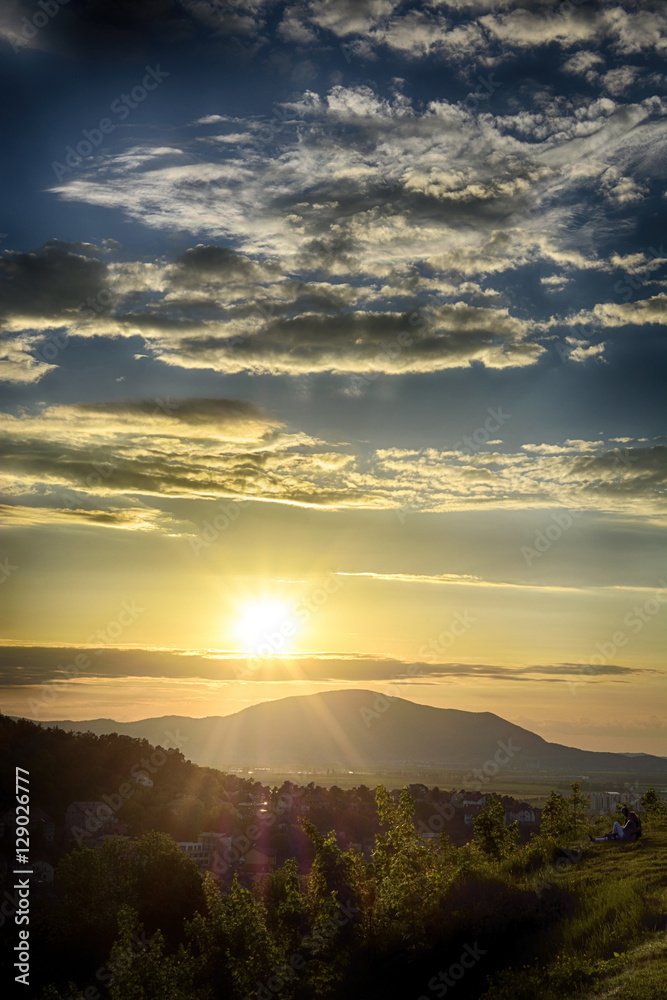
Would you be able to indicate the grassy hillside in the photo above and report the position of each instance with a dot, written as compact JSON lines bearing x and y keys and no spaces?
{"x":614,"y":944}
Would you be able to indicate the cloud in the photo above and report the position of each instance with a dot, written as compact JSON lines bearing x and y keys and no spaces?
{"x":652,"y":310}
{"x":216,"y":308}
{"x":584,"y":63}
{"x":567,"y":25}
{"x":352,"y":182}
{"x":52,"y":283}
{"x":210,"y":120}
{"x":362,"y":342}
{"x":587,"y":477}
{"x":17,"y":363}
{"x":349,"y":17}
{"x":192,"y":448}
{"x":226,"y":419}
{"x":463,"y":31}
{"x":128,"y":518}
{"x":29,"y":666}
{"x":208,"y":449}
{"x":618,"y":80}
{"x":463,"y":580}
{"x":323,"y":229}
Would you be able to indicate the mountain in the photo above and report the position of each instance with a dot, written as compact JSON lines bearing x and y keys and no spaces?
{"x":366,"y":731}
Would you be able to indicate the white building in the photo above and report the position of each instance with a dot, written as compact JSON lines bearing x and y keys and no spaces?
{"x":603,"y":803}
{"x":524,"y":815}
{"x":207,"y":845}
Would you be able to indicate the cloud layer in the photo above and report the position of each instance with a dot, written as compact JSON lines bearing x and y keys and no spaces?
{"x":216,"y":448}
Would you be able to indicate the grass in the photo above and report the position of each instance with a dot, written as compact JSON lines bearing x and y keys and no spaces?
{"x":644,"y":978}
{"x":613,"y":945}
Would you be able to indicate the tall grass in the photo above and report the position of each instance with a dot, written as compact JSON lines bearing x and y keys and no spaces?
{"x":611,"y":917}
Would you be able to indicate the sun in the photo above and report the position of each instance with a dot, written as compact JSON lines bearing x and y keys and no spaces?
{"x":265,"y":627}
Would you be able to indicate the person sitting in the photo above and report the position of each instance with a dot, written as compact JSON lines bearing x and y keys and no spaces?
{"x":631,"y":829}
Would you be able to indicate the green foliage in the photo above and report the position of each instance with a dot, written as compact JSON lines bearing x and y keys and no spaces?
{"x":411,"y":876}
{"x":555,"y":817}
{"x":286,"y":907}
{"x":139,"y":968}
{"x":232,"y":949}
{"x":610,"y":918}
{"x":490,"y":834}
{"x":71,"y":993}
{"x":602,"y":948}
{"x":151,"y":875}
{"x":655,"y":809}
{"x":578,"y":806}
{"x":252,"y":955}
{"x":552,"y":923}
{"x":565,"y":818}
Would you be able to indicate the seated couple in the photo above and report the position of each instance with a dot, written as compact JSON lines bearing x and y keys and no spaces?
{"x":631,"y":829}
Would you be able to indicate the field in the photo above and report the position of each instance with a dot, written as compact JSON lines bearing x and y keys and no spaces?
{"x":526,"y":786}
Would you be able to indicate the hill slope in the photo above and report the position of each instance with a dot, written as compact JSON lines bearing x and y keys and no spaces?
{"x":365,"y":731}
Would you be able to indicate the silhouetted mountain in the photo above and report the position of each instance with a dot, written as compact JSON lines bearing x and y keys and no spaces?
{"x":366,"y":731}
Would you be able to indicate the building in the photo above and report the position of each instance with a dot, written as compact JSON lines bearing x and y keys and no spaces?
{"x":42,"y":873}
{"x":85,"y":818}
{"x":523,"y":814}
{"x":255,"y":864}
{"x":206,"y":847}
{"x":470,"y":814}
{"x":195,"y":850}
{"x":419,"y":792}
{"x":474,"y":799}
{"x":603,"y":803}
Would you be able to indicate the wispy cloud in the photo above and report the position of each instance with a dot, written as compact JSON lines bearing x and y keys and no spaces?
{"x":25,"y":665}
{"x":207,"y":449}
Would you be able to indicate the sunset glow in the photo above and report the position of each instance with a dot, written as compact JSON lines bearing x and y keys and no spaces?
{"x":342,"y":346}
{"x":266,"y":627}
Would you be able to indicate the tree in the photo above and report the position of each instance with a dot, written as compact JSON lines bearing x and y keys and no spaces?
{"x":286,"y":912}
{"x":654,"y":807}
{"x":233,"y":951}
{"x":578,"y":806}
{"x":490,"y":833}
{"x":139,"y":969}
{"x":565,"y":818}
{"x":151,"y":874}
{"x":555,"y":817}
{"x":411,"y":876}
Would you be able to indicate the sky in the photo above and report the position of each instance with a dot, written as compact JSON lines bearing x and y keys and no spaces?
{"x":333,"y":356}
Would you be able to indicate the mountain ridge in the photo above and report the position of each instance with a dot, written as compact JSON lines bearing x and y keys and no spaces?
{"x":362,"y":730}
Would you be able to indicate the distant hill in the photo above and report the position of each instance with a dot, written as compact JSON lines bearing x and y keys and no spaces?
{"x":365,"y":731}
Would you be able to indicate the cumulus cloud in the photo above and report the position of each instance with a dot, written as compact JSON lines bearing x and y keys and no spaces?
{"x":374,"y":180}
{"x":462,"y":30}
{"x":216,"y":308}
{"x":321,"y":229}
{"x":652,"y":310}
